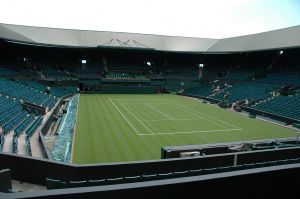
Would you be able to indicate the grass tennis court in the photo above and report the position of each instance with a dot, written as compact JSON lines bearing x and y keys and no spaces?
{"x":116,"y":128}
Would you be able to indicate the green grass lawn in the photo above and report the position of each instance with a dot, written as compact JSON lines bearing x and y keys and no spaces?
{"x":116,"y":128}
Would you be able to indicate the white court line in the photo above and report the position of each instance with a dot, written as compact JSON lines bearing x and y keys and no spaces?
{"x":187,"y":132}
{"x":161,"y":120}
{"x":137,"y":118}
{"x":205,"y":114}
{"x":159,"y":111}
{"x":137,"y":99}
{"x":124,"y":117}
{"x":141,"y":103}
{"x":197,"y":116}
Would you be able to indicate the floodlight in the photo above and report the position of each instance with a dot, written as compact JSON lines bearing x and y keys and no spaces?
{"x":281,"y":52}
{"x":83,"y":61}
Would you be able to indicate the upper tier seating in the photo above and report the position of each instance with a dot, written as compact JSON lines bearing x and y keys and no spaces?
{"x":281,"y":78}
{"x":181,"y":74}
{"x":240,"y":74}
{"x":7,"y":72}
{"x":125,"y":76}
{"x":33,"y":92}
{"x":245,"y":90}
{"x":203,"y":90}
{"x":179,"y":85}
{"x":50,"y":72}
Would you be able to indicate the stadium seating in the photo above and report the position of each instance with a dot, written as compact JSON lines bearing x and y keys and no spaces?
{"x":181,"y":74}
{"x":32,"y":128}
{"x":7,"y":72}
{"x":10,"y":125}
{"x":288,"y":106}
{"x":281,"y":78}
{"x":245,"y":90}
{"x":125,"y":76}
{"x":203,"y":90}
{"x":240,"y":74}
{"x":33,"y":92}
{"x":23,"y":125}
{"x":51,"y":72}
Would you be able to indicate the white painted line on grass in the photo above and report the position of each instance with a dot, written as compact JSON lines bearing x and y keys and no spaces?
{"x":188,"y":132}
{"x":142,"y":103}
{"x":152,"y":107}
{"x":136,"y":99}
{"x":205,"y":115}
{"x":124,"y":117}
{"x":161,"y":120}
{"x":207,"y":131}
{"x":137,"y":118}
{"x":196,"y":115}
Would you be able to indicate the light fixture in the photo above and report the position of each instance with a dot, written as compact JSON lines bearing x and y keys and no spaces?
{"x":281,"y":52}
{"x":83,"y":61}
{"x":148,"y":63}
{"x":201,"y":65}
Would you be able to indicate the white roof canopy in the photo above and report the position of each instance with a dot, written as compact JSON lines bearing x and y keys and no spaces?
{"x":288,"y":37}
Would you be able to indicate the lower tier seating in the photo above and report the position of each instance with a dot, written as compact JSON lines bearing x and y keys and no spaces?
{"x":288,"y":106}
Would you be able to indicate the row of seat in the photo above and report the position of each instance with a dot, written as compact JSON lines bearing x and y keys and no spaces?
{"x":282,"y":78}
{"x":58,"y":184}
{"x":7,"y":116}
{"x":117,"y":75}
{"x":7,"y":72}
{"x":254,"y":91}
{"x":23,"y":125}
{"x":10,"y":125}
{"x":22,"y":92}
{"x":32,"y":128}
{"x":288,"y":106}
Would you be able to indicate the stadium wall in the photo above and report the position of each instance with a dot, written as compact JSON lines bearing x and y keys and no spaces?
{"x":35,"y":170}
{"x":277,"y":181}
